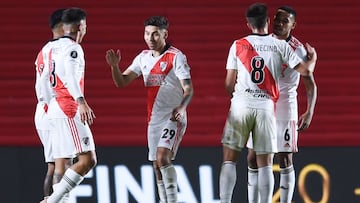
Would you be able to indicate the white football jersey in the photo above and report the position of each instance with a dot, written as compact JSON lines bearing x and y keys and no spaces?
{"x":67,"y":75}
{"x":43,"y":89}
{"x":258,"y":60}
{"x":162,"y":75}
{"x":287,"y":106}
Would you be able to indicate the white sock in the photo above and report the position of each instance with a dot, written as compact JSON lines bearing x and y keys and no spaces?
{"x":266,"y":184}
{"x":227,"y":181}
{"x":69,"y":181}
{"x":161,"y":191}
{"x":170,"y":182}
{"x":65,"y":198}
{"x":287,"y":184}
{"x":253,"y":191}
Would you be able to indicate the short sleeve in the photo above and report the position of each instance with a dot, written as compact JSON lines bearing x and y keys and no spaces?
{"x":289,"y":55}
{"x":135,"y":65}
{"x":231,"y":62}
{"x":182,"y":68}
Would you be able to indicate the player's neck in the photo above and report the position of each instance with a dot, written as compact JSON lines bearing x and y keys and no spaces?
{"x":282,"y":37}
{"x":161,"y":50}
{"x":262,"y":31}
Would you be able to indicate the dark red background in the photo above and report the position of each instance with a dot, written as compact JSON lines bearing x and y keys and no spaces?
{"x":203,"y":30}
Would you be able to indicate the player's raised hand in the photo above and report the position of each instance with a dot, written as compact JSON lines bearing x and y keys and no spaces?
{"x":113,"y":58}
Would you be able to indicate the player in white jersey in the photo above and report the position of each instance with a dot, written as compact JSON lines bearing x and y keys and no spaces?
{"x":253,"y":69}
{"x":167,"y":78}
{"x":286,"y":112}
{"x":69,"y":112}
{"x":44,"y":93}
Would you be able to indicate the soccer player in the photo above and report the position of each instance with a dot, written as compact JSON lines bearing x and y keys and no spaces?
{"x":253,"y":69}
{"x":286,"y":111}
{"x":166,"y":76}
{"x":69,"y":112}
{"x":44,"y":93}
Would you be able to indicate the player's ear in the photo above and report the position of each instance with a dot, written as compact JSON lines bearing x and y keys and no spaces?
{"x":78,"y":27}
{"x":166,"y":34}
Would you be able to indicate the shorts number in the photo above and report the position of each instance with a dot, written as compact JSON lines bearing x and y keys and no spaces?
{"x":257,"y":73}
{"x":287,"y":135}
{"x":168,"y":132}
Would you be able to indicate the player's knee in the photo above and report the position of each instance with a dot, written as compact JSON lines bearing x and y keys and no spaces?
{"x":251,"y":159}
{"x":163,"y":157}
{"x":92,"y":163}
{"x":87,"y":161}
{"x":284,"y":159}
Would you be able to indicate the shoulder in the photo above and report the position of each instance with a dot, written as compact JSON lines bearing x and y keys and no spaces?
{"x":144,"y":53}
{"x":174,"y":51}
{"x":295,"y":43}
{"x":70,"y":46}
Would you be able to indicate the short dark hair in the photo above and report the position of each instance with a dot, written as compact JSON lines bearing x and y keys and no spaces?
{"x":158,"y":21}
{"x":288,"y":9}
{"x":55,"y":17}
{"x":257,"y":15}
{"x":73,"y":15}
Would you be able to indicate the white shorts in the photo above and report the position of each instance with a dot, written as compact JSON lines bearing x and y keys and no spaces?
{"x":287,"y":136}
{"x":43,"y":127}
{"x":243,"y":121}
{"x":167,"y":134}
{"x":72,"y":137}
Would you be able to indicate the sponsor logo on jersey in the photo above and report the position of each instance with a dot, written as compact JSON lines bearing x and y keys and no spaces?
{"x":154,"y":80}
{"x":74,"y":54}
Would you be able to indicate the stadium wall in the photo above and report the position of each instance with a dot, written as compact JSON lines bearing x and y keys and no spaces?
{"x":204,"y":31}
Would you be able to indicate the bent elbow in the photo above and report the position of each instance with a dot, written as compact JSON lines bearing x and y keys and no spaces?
{"x":305,"y":72}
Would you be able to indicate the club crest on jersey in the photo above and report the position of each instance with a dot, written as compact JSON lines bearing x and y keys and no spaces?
{"x":73,"y":54}
{"x":163,"y":65}
{"x":86,"y":141}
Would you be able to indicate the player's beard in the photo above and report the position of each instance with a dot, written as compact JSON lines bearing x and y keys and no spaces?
{"x":278,"y":31}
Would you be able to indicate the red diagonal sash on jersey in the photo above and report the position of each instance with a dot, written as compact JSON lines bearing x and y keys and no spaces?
{"x":245,"y":52}
{"x":152,"y":91}
{"x":63,"y":96}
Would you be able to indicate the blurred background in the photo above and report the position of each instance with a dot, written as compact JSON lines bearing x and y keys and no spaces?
{"x":204,"y":31}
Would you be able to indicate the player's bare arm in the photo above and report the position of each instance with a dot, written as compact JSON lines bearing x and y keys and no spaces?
{"x":120,"y":79}
{"x":311,"y":93}
{"x":230,"y":81}
{"x":179,"y":111}
{"x":86,"y":113}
